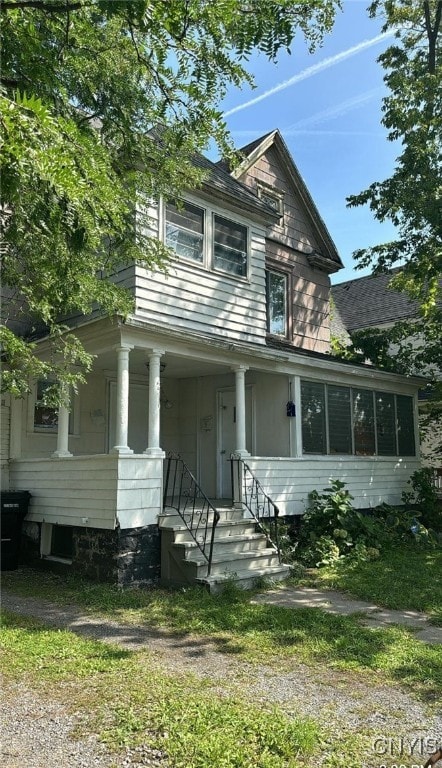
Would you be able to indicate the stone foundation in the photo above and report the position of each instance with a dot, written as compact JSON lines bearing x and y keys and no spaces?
{"x":123,"y":557}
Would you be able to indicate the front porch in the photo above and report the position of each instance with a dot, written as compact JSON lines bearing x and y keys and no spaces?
{"x":98,"y":468}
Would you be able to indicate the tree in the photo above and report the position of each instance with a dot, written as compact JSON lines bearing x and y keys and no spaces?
{"x":412,"y":197}
{"x":103,"y":101}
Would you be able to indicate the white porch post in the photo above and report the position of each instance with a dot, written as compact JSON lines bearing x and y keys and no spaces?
{"x":122,"y":415}
{"x":62,"y":450}
{"x":296,"y":422}
{"x":240,"y":397}
{"x":153,"y":440}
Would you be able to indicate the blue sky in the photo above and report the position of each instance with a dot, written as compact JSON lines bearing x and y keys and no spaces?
{"x":328,"y":109}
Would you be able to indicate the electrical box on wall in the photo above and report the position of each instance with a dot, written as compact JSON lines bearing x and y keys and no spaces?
{"x":291,"y":408}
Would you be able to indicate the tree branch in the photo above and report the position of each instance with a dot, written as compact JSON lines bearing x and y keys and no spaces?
{"x":432,"y":33}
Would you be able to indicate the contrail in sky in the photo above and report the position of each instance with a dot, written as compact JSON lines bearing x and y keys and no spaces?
{"x":313,"y":70}
{"x":336,"y":111}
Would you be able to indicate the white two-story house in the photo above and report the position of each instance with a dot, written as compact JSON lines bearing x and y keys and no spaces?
{"x":227,"y":353}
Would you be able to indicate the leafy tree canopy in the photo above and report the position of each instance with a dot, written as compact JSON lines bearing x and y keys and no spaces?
{"x":83,"y":83}
{"x":412,"y":197}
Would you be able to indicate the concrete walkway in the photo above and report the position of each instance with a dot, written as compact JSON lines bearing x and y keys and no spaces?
{"x":338,"y":603}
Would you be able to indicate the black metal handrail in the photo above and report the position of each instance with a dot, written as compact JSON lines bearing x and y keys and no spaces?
{"x":248,"y":490}
{"x":183,"y":494}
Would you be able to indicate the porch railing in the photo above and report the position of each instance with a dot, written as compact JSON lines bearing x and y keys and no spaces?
{"x":248,"y":490}
{"x":183,"y":494}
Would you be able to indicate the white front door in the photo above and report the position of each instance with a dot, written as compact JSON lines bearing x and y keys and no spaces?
{"x":226,"y":436}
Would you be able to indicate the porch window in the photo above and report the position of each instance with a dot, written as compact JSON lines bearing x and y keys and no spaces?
{"x":385,"y":424}
{"x":313,"y":417}
{"x":276,"y":284}
{"x":346,"y":420}
{"x":405,"y":426}
{"x":185,"y":230}
{"x":45,"y":416}
{"x":229,"y":246}
{"x":363,"y":422}
{"x":339,"y":420}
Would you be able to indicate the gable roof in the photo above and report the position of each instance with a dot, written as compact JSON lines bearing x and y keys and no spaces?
{"x":218,"y":180}
{"x":368,"y":301}
{"x":252,"y":152}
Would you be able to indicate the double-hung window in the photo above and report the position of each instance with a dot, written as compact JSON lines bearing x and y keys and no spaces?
{"x":185,"y":230}
{"x":229,"y":246}
{"x":276,"y":284}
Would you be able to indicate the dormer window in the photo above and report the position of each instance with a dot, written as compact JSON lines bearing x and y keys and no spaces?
{"x":185,"y":230}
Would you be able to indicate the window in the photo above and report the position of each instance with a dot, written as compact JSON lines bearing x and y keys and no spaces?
{"x":313,"y":417}
{"x":229,"y":246}
{"x":363,"y":422}
{"x":272,"y":197}
{"x":45,"y":416}
{"x":339,"y":420}
{"x":61,"y":542}
{"x":276,"y":303}
{"x":343,"y":420}
{"x":185,"y":230}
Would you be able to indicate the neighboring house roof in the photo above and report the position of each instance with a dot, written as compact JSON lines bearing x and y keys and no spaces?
{"x":251,"y":153}
{"x":369,"y":301}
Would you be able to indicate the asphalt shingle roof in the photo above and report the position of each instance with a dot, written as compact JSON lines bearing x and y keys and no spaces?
{"x":368,"y":301}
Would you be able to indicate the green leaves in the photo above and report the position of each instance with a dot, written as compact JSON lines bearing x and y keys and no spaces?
{"x":83,"y":85}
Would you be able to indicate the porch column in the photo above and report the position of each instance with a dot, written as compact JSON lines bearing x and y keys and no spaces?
{"x":153,"y":440}
{"x":296,"y":422}
{"x":62,"y":450}
{"x":240,"y":396}
{"x":122,"y":416}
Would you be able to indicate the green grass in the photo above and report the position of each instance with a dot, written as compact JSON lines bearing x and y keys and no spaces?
{"x":401,"y":578}
{"x":129,"y":703}
{"x":261,"y":633}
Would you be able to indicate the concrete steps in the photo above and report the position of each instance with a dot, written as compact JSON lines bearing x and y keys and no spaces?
{"x":240,"y":552}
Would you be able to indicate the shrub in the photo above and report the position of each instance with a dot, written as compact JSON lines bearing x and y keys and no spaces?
{"x":332,"y":528}
{"x":423,"y":496}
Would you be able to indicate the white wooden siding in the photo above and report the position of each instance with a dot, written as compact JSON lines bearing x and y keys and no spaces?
{"x":4,"y":442}
{"x":370,"y":480}
{"x":93,"y":491}
{"x":191,"y":296}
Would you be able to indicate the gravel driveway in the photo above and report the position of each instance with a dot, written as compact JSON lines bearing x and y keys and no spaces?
{"x":36,"y":732}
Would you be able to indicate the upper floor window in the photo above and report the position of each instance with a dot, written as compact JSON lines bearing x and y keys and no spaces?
{"x":201,"y":235}
{"x":185,"y":230}
{"x":229,"y":246}
{"x":347,"y":420}
{"x":276,"y":284}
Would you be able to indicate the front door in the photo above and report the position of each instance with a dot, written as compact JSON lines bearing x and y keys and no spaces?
{"x":226,"y":436}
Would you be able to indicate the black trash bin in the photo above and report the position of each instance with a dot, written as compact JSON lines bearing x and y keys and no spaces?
{"x":14,"y":508}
